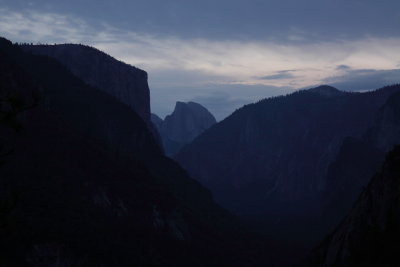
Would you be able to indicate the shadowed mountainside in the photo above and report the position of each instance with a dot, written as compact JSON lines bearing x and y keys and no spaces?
{"x":358,"y":159}
{"x":370,"y":234}
{"x":83,"y":182}
{"x":270,"y":162}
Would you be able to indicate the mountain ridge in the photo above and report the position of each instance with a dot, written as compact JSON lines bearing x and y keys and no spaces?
{"x":268,"y":162}
{"x":95,"y":188}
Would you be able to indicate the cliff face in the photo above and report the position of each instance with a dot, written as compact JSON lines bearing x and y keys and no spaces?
{"x":126,"y":83}
{"x":270,"y":161}
{"x":180,"y":128}
{"x":358,"y":159}
{"x":369,"y":235}
{"x":386,"y":131}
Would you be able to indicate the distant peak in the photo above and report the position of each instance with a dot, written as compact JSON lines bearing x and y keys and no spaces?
{"x":192,"y":108}
{"x":189,"y":105}
{"x":326,"y":90}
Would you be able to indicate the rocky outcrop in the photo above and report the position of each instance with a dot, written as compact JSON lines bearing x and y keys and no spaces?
{"x":370,"y":234}
{"x":126,"y":83}
{"x":187,"y":122}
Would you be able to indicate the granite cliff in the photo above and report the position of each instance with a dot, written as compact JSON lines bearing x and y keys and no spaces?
{"x":126,"y":83}
{"x":187,"y":121}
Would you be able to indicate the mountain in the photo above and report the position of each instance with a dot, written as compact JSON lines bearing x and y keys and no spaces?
{"x":84,"y":182}
{"x":126,"y":83}
{"x":369,"y":235}
{"x":187,"y":121}
{"x":269,"y":162}
{"x":326,"y":90}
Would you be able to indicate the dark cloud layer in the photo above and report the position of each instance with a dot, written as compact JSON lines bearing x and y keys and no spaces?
{"x":233,"y":19}
{"x":283,"y":74}
{"x":343,"y":67}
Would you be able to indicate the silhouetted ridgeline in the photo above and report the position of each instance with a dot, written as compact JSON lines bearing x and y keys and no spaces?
{"x":279,"y":160}
{"x":83,"y":182}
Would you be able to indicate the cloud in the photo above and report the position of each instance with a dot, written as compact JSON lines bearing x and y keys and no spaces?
{"x":236,"y":19}
{"x":229,"y":59}
{"x":343,"y":67}
{"x":42,"y":27}
{"x":207,"y":69}
{"x":280,"y":75}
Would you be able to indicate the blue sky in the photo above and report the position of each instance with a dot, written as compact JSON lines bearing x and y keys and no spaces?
{"x":221,"y":53}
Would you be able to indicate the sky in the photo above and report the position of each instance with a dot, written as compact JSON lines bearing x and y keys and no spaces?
{"x":225,"y":53}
